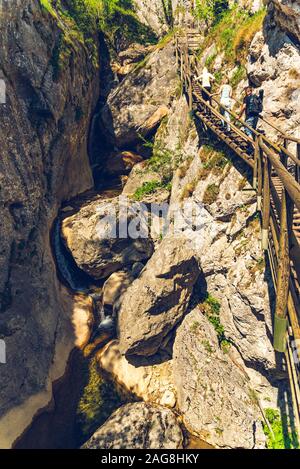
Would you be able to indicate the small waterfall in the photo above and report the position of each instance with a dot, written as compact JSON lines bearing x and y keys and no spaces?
{"x":68,"y":271}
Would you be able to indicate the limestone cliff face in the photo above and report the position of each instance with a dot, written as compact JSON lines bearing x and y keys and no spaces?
{"x":287,"y":16}
{"x":274,"y":63}
{"x":43,"y":139}
{"x":151,"y":13}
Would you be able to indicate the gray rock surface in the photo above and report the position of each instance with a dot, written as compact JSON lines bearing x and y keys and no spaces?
{"x":138,"y":426}
{"x":115,"y":285}
{"x":43,"y":136}
{"x":156,"y":301}
{"x":213,"y":393}
{"x":274,"y":63}
{"x":141,"y":101}
{"x":91,"y":235}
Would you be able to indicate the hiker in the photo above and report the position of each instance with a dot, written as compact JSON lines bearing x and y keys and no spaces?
{"x":226,"y":102}
{"x":252,"y":106}
{"x":206,"y":79}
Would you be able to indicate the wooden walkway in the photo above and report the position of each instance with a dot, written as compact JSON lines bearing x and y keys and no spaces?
{"x":276,"y":177}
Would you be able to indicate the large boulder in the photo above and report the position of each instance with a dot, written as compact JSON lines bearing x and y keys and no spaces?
{"x":138,"y":426}
{"x":92,"y":237}
{"x":158,"y":299}
{"x":115,"y":285}
{"x":151,"y":382}
{"x":213,"y":393}
{"x":141,"y":101}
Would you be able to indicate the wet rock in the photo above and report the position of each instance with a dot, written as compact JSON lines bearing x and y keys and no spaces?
{"x":151,"y":382}
{"x":156,"y":301}
{"x":213,"y":393}
{"x":138,"y":426}
{"x":91,"y":237}
{"x":83,"y":320}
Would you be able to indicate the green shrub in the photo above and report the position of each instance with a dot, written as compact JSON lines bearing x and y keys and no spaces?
{"x":98,"y":400}
{"x":211,"y":307}
{"x":146,"y":189}
{"x":233,"y":33}
{"x":210,"y":11}
{"x":278,"y":438}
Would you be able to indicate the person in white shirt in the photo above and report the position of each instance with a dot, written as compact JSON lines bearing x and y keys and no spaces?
{"x":206,"y":77}
{"x":226,"y":101}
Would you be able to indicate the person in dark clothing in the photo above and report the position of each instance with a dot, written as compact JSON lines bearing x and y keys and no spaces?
{"x":252,"y":106}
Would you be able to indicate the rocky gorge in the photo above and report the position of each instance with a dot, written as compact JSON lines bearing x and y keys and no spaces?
{"x":94,"y":128}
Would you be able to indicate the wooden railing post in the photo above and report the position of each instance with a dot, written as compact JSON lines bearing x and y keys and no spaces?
{"x":266,"y":203}
{"x":259,"y":176}
{"x":283,"y":273}
{"x":283,"y":156}
{"x":297,"y":169}
{"x":255,"y":169}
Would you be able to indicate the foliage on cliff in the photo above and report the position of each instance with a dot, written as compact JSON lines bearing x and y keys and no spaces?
{"x":210,"y":11}
{"x":99,"y":399}
{"x":85,"y":18}
{"x":231,"y":36}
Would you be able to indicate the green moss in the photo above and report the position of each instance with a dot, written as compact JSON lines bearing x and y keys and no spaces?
{"x":99,"y":399}
{"x":211,"y":307}
{"x":239,"y":75}
{"x":147,"y":188}
{"x":210,"y":60}
{"x":216,"y":162}
{"x":163,"y":161}
{"x":279,"y":438}
{"x":233,"y":33}
{"x":194,"y":327}
{"x":81,"y":20}
{"x":207,"y":346}
{"x":211,"y":194}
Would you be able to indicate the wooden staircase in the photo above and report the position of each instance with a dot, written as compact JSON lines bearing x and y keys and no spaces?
{"x":276,"y":175}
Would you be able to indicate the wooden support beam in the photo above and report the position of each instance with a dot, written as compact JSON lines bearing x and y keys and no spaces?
{"x":297,"y":169}
{"x":256,"y":156}
{"x":283,"y":273}
{"x":286,"y":178}
{"x":259,"y":177}
{"x":266,"y":203}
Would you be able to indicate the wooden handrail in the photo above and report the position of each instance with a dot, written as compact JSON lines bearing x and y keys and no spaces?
{"x":278,"y":200}
{"x":286,"y":178}
{"x":264,"y":119}
{"x":217,"y":114}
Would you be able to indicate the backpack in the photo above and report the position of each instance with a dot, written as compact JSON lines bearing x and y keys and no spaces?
{"x":255,"y":106}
